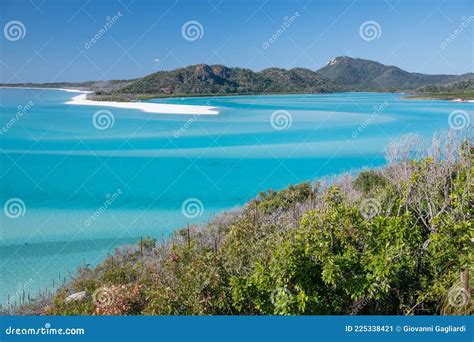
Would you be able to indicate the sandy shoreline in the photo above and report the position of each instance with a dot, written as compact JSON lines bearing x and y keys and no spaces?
{"x":461,"y":100}
{"x":161,"y":108}
{"x":149,"y":107}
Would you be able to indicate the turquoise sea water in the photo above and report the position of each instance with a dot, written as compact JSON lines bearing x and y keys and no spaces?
{"x":142,"y":169}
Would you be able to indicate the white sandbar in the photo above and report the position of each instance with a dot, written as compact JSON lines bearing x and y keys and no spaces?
{"x":149,"y":107}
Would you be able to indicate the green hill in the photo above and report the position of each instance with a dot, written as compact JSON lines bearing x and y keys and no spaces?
{"x":205,"y":79}
{"x":362,"y":74}
{"x":458,"y":90}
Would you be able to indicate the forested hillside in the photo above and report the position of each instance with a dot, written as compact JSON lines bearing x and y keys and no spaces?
{"x":205,"y":79}
{"x":361,"y":74}
{"x":451,"y":91}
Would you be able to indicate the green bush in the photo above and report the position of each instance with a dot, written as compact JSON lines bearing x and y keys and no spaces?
{"x":366,"y":181}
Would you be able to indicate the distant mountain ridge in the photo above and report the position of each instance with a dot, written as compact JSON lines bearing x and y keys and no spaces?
{"x":340,"y":74}
{"x":362,"y":74}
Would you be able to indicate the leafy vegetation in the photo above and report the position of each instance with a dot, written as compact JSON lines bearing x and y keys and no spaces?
{"x":463,"y":90}
{"x":392,"y":241}
{"x":368,"y":180}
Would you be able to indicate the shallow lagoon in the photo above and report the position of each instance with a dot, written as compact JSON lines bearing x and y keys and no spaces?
{"x":145,"y":166}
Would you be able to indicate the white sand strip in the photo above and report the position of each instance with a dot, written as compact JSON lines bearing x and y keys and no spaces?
{"x":461,"y":100}
{"x":149,"y":107}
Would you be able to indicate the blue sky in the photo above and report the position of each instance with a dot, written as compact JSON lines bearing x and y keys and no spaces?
{"x":147,"y":37}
